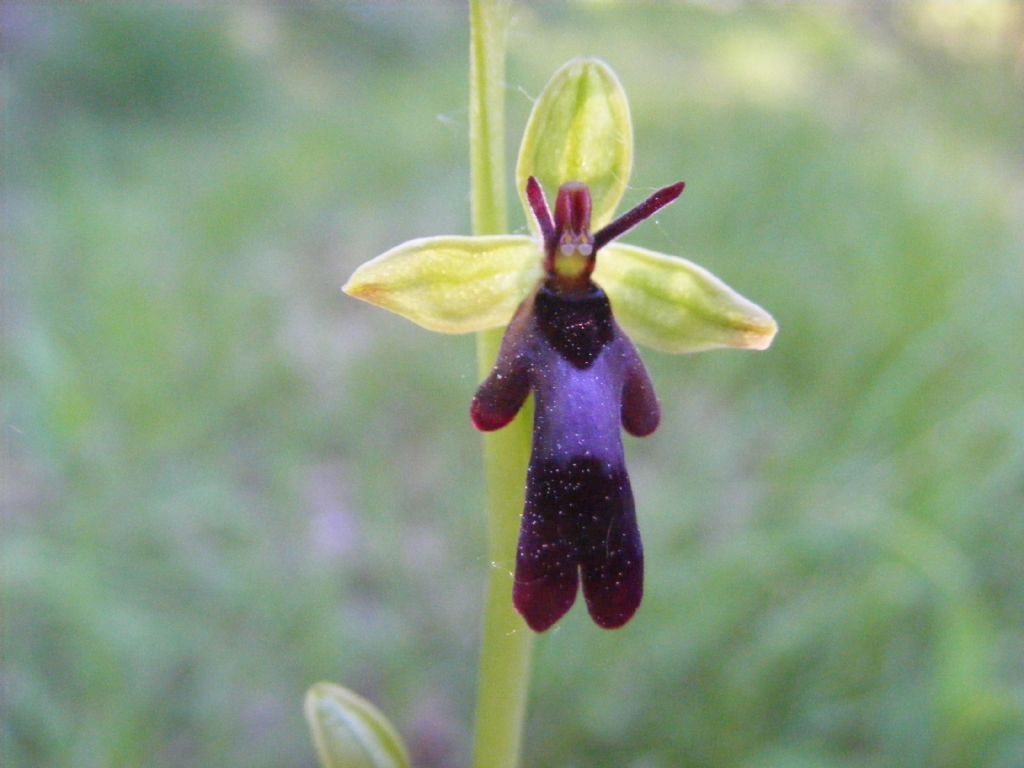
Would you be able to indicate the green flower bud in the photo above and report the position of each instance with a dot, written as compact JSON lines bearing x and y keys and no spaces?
{"x":349,"y":732}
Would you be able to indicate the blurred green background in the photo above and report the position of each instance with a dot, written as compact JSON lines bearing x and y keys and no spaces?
{"x":223,"y":480}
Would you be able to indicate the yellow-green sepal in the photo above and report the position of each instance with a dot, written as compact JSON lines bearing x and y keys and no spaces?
{"x":451,"y":284}
{"x":579,"y":130}
{"x":673,"y":305}
{"x":349,"y":732}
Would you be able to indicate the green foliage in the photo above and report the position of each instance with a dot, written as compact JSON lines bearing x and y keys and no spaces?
{"x":223,"y":480}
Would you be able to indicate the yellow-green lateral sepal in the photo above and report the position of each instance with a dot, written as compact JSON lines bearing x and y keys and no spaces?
{"x":579,"y":130}
{"x":673,"y":305}
{"x":451,"y":284}
{"x":349,"y":732}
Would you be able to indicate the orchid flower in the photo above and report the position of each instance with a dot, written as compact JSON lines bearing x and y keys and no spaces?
{"x":562,"y":307}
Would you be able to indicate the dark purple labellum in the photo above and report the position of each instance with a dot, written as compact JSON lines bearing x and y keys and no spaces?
{"x":588,"y":382}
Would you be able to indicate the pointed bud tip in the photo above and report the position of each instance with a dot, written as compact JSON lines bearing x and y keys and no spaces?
{"x":760,"y":333}
{"x":361,"y":290}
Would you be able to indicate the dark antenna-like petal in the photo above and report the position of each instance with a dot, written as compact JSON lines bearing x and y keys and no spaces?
{"x":539,"y":204}
{"x":631,"y":218}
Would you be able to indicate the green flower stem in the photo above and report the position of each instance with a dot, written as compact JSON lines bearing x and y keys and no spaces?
{"x":488,"y":22}
{"x":506,"y":645}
